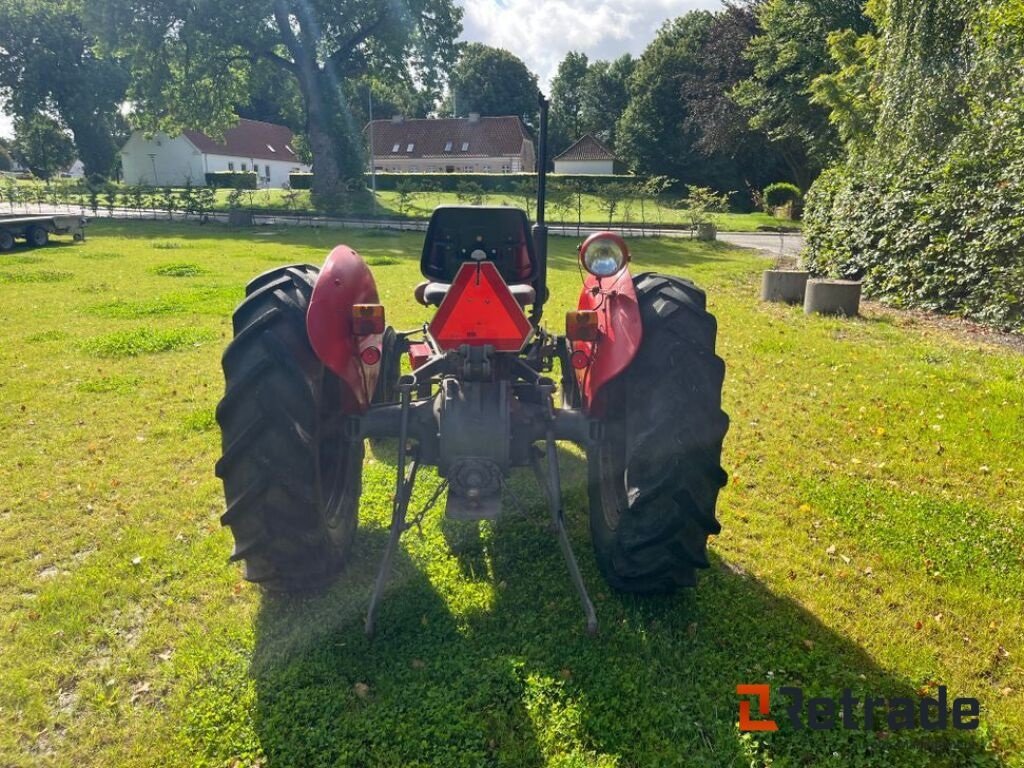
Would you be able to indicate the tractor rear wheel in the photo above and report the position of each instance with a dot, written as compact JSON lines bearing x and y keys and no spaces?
{"x":291,"y":476}
{"x":6,"y":241}
{"x":655,"y":474}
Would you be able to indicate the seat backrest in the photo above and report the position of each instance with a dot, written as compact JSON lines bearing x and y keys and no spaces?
{"x":466,"y":233}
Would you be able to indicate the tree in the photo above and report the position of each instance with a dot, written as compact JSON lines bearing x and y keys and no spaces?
{"x":491,"y":81}
{"x":192,"y":63}
{"x":605,"y":97}
{"x":6,"y":162}
{"x":567,"y":101}
{"x":654,"y":134}
{"x":49,"y":65}
{"x":737,"y":156}
{"x":42,"y":145}
{"x":787,"y":56}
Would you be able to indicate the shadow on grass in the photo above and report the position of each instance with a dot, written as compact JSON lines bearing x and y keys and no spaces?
{"x":499,"y":672}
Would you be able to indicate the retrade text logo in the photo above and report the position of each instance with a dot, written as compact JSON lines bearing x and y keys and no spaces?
{"x":823,"y":713}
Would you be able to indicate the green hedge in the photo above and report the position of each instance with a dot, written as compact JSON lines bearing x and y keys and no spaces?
{"x":507,"y":183}
{"x":232,"y":180}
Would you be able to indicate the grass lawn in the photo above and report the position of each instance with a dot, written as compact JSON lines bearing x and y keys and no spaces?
{"x":873,"y":538}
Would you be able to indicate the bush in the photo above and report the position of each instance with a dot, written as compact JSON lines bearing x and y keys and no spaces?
{"x":232,"y":180}
{"x":781,"y":193}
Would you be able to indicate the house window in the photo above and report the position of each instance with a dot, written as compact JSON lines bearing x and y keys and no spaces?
{"x":271,"y":149}
{"x":231,"y":166}
{"x":245,"y":167}
{"x":506,"y":168}
{"x":465,"y":146}
{"x":395,"y":148}
{"x":267,"y":169}
{"x":409,"y":148}
{"x":448,"y":147}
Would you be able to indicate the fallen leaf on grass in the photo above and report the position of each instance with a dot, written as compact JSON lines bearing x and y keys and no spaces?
{"x":362,"y":690}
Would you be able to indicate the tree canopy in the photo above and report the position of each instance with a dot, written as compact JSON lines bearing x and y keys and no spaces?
{"x":42,"y":145}
{"x":191,"y":63}
{"x":790,"y":51}
{"x":49,"y":66}
{"x":925,"y":203}
{"x":491,"y":81}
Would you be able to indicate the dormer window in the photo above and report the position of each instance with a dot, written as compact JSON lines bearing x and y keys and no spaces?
{"x":271,"y":149}
{"x":465,"y":146}
{"x":448,"y":147}
{"x":395,"y":148}
{"x":409,"y":148}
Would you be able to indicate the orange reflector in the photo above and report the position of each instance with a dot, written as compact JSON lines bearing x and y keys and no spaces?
{"x":581,"y":325}
{"x":370,"y":356}
{"x":480,"y":309}
{"x":579,"y":359}
{"x":367,"y":319}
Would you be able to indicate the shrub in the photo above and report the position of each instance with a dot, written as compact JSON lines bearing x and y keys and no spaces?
{"x":232,"y":180}
{"x":781,"y":193}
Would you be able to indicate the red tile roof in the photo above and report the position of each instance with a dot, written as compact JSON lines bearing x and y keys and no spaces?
{"x":250,"y":138}
{"x":587,"y":148}
{"x":485,"y":137}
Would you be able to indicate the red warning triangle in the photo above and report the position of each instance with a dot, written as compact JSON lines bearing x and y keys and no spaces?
{"x":480,"y":309}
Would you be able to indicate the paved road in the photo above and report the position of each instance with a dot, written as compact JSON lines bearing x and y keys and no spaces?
{"x":771,"y":244}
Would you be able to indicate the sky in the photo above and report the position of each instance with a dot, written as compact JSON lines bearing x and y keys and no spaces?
{"x":541,"y":32}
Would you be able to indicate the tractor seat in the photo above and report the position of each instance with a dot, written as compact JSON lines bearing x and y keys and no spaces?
{"x":432,"y":294}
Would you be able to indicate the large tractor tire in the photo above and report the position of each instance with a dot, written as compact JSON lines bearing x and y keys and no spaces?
{"x":655,"y":474}
{"x":291,"y":476}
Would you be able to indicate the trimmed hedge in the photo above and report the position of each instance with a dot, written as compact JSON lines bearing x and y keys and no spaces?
{"x":232,"y":180}
{"x":507,"y":183}
{"x":781,"y":193}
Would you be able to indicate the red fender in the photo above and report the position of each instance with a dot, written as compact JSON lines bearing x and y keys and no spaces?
{"x":620,"y":331}
{"x":344,"y":281}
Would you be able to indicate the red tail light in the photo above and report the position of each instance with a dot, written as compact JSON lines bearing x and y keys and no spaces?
{"x":370,"y":356}
{"x":479,"y":309}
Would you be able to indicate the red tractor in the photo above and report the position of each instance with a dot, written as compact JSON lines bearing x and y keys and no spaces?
{"x":313,"y":371}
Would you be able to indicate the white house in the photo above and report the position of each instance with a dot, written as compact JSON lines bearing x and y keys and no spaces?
{"x":588,"y":156}
{"x":251,"y":146}
{"x":471,"y":144}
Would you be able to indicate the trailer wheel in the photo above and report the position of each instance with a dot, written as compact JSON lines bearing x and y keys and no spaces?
{"x":6,"y":241}
{"x":38,"y":236}
{"x":291,"y":475}
{"x":655,"y":474}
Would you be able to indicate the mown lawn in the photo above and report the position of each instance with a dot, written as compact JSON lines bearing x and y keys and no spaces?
{"x":873,"y":538}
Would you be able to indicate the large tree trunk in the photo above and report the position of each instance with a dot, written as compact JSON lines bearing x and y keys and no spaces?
{"x":334,"y":140}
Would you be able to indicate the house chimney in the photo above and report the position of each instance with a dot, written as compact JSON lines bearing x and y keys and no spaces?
{"x":474,"y":117}
{"x":397,"y":118}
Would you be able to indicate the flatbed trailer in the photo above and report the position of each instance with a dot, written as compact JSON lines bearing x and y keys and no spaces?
{"x":36,"y":230}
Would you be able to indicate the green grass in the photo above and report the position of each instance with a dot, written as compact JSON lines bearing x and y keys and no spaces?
{"x":873,"y":538}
